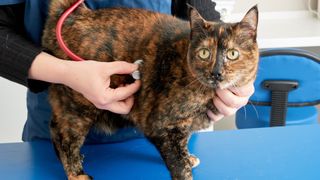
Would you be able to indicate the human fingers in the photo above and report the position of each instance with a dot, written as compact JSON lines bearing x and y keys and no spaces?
{"x":123,"y":92}
{"x":223,"y":108}
{"x":214,"y":117}
{"x":120,"y":67}
{"x":121,"y":107}
{"x":230,"y":99}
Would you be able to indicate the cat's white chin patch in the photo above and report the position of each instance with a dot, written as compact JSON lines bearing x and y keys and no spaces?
{"x":232,"y":83}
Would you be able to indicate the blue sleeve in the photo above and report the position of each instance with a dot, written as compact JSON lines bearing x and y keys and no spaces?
{"x":9,"y":2}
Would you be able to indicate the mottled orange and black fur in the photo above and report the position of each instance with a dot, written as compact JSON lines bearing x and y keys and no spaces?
{"x":178,"y":79}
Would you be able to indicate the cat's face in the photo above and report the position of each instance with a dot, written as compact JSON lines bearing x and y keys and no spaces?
{"x":222,"y":55}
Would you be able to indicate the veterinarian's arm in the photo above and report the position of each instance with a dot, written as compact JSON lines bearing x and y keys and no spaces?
{"x":230,"y":100}
{"x":90,"y":78}
{"x":24,"y":63}
{"x":206,"y":8}
{"x":17,"y":53}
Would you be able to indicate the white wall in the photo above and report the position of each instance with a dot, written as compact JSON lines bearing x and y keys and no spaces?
{"x":271,"y":5}
{"x":12,"y":111}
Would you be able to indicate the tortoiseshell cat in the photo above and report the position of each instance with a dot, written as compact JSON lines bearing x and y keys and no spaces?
{"x":184,"y":62}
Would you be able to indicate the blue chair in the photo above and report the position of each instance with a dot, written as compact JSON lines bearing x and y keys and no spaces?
{"x":287,"y":89}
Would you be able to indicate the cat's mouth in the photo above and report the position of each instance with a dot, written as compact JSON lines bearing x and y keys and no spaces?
{"x":213,"y":83}
{"x":221,"y":84}
{"x":209,"y":82}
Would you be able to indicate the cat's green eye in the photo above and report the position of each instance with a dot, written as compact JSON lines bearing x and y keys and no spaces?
{"x":204,"y":53}
{"x":233,"y":54}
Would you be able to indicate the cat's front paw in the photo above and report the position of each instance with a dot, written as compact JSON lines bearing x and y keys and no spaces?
{"x":80,"y":177}
{"x":194,"y":161}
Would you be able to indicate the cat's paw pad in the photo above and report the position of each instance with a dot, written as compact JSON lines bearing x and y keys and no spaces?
{"x":80,"y":177}
{"x":194,"y":161}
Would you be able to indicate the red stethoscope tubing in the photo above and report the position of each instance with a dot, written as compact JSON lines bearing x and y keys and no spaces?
{"x":61,"y":43}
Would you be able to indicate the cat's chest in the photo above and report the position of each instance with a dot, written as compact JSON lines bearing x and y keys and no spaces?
{"x":189,"y":101}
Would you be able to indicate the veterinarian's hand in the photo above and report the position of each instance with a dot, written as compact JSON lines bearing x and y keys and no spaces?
{"x":92,"y":80}
{"x":230,"y":100}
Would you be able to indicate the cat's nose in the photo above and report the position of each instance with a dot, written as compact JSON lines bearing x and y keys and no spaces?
{"x":217,"y":76}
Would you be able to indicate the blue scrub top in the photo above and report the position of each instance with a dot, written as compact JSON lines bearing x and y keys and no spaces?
{"x":8,"y":2}
{"x":39,"y":111}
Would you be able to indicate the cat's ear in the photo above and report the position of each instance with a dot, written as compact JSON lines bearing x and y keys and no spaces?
{"x":250,"y":20}
{"x":197,"y":23}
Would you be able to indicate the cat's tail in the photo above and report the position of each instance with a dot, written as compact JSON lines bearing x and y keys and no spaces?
{"x":58,"y":7}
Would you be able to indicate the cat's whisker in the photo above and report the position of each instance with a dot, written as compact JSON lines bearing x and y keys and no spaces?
{"x":255,"y":109}
{"x":199,"y":89}
{"x":245,"y":112}
{"x":202,"y":88}
{"x":234,"y":85}
{"x":191,"y":83}
{"x":249,"y":102}
{"x":200,"y":85}
{"x":190,"y":78}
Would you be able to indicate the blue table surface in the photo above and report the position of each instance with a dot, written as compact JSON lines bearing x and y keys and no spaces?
{"x":264,"y":153}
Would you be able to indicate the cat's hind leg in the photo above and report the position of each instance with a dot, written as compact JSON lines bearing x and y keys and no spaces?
{"x":68,"y":134}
